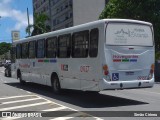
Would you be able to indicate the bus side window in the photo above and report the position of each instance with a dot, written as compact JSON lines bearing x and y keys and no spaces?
{"x":51,"y":47}
{"x":80,"y":44}
{"x":25,"y":50}
{"x":18,"y":51}
{"x":32,"y":49}
{"x":94,"y":36}
{"x":64,"y":43}
{"x":40,"y":48}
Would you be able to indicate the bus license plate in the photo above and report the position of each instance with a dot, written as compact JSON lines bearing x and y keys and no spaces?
{"x":129,"y":73}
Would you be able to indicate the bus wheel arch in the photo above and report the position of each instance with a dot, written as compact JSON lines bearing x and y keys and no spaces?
{"x":55,"y":83}
{"x":19,"y":76}
{"x":18,"y":73}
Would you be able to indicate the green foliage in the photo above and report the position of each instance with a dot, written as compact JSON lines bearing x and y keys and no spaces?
{"x":4,"y":47}
{"x":146,"y":10}
{"x":39,"y":25}
{"x":157,"y":55}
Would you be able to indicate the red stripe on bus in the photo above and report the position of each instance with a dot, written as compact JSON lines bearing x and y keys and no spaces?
{"x":40,"y":60}
{"x":116,"y":60}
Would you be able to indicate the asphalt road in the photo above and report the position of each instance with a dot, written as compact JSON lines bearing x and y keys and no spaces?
{"x":33,"y":97}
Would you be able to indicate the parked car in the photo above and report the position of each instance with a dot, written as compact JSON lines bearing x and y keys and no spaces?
{"x":7,"y":71}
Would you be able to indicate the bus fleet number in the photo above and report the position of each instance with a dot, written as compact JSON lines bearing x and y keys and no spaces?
{"x":84,"y":68}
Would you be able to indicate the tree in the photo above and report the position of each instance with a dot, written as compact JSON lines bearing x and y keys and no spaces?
{"x":39,"y":25}
{"x":146,"y":10}
{"x":4,"y":47}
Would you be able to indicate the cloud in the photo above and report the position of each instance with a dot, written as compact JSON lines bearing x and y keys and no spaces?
{"x":6,"y":1}
{"x":4,"y":8}
{"x":20,"y":18}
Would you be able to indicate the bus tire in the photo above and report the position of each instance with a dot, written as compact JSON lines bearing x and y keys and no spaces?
{"x":56,"y":85}
{"x":22,"y":82}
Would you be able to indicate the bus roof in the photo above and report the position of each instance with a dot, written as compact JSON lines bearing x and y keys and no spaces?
{"x":102,"y":21}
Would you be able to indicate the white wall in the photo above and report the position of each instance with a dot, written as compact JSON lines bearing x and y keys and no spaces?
{"x":87,"y":10}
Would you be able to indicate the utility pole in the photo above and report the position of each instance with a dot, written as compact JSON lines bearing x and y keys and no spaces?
{"x":50,"y":14}
{"x":29,"y":32}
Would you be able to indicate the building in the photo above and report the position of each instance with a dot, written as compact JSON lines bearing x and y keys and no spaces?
{"x":67,"y":13}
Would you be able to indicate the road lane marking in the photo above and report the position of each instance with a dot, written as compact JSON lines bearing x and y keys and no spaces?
{"x":56,"y":109}
{"x":62,"y":118}
{"x":16,"y":97}
{"x":40,"y":103}
{"x":25,"y":91}
{"x":24,"y":106}
{"x":10,"y":118}
{"x":57,"y":103}
{"x":21,"y":89}
{"x":68,"y":116}
{"x":29,"y":92}
{"x":3,"y":80}
{"x":17,"y":101}
{"x":97,"y":118}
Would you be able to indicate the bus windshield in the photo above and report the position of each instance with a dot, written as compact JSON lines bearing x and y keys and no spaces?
{"x":129,"y":34}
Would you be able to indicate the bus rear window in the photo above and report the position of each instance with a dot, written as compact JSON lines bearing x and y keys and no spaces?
{"x":129,"y":34}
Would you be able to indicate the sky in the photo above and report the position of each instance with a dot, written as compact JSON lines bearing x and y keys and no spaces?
{"x":14,"y":17}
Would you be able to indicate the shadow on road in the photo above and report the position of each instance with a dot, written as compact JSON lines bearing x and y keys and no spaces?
{"x":79,"y":98}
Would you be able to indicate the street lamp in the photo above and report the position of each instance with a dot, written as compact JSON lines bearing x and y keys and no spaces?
{"x":28,"y":22}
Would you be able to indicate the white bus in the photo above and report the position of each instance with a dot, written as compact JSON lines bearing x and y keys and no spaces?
{"x":100,"y":55}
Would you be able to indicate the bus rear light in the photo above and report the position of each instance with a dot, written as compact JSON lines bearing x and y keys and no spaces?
{"x":106,"y":72}
{"x":151,"y":72}
{"x":152,"y":67}
{"x":105,"y":67}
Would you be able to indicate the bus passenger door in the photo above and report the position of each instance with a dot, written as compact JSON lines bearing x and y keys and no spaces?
{"x":68,"y":76}
{"x":37,"y":72}
{"x":32,"y":71}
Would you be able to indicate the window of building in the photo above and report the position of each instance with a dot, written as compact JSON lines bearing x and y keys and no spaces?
{"x":51,"y":47}
{"x":58,"y":10}
{"x":62,"y":7}
{"x":70,"y":14}
{"x":80,"y":44}
{"x":32,"y":49}
{"x":70,"y":3}
{"x":54,"y":22}
{"x":40,"y":49}
{"x":47,"y":7}
{"x":58,"y":21}
{"x":66,"y":17}
{"x":55,"y":1}
{"x":67,"y":25}
{"x":18,"y":51}
{"x":25,"y":50}
{"x":64,"y":48}
{"x":94,"y":35}
{"x":66,"y":5}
